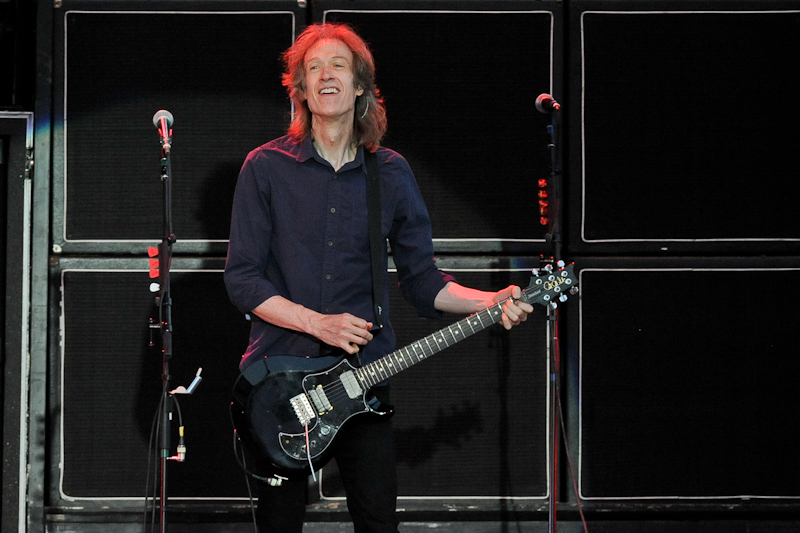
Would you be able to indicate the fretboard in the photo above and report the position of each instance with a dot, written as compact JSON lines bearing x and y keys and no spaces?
{"x":387,"y":366}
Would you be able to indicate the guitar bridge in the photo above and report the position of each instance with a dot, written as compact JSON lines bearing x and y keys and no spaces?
{"x":303,"y":409}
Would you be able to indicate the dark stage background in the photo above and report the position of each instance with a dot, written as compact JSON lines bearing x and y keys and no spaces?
{"x":675,"y":193}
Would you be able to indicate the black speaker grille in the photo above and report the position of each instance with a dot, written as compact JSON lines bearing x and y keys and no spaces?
{"x":217,"y":73}
{"x":112,"y":383}
{"x":690,"y":126}
{"x":688,"y":383}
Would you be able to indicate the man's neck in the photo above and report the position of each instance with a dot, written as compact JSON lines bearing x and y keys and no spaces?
{"x":333,"y":142}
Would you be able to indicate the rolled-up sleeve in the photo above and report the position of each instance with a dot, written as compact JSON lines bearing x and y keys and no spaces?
{"x":250,"y":235}
{"x":411,"y":241}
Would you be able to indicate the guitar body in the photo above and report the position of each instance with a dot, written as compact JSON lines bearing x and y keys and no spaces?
{"x":272,"y":417}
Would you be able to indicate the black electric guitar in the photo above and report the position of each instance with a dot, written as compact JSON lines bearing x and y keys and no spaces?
{"x":291,"y":417}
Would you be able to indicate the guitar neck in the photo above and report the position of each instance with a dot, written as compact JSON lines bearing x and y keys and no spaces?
{"x":387,"y":366}
{"x":542,"y":290}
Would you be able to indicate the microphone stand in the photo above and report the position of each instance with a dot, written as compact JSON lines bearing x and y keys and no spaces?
{"x":554,"y":238}
{"x":164,"y":302}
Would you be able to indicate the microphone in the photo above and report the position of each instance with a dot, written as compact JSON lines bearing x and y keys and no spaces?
{"x":546,"y":104}
{"x":163,"y":120}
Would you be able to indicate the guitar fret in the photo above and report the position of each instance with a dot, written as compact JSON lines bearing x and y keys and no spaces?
{"x":366,"y":379}
{"x":452,"y":335}
{"x":429,"y":346}
{"x":414,"y":346}
{"x":402,"y":358}
{"x":499,"y":312}
{"x":444,"y":338}
{"x":390,"y":364}
{"x":373,"y":377}
{"x":408,"y":355}
{"x":438,"y":346}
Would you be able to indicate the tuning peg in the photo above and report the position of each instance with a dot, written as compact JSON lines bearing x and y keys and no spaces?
{"x":553,"y":305}
{"x":548,"y":268}
{"x":535,"y":272}
{"x":574,"y":290}
{"x":563,"y":298}
{"x":560,"y":263}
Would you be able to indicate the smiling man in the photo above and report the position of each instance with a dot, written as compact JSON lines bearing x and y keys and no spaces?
{"x":299,"y":261}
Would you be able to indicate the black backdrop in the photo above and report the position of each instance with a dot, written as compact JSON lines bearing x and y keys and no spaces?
{"x":672,"y":162}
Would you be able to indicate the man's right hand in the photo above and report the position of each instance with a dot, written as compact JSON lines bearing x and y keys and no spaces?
{"x":344,"y":331}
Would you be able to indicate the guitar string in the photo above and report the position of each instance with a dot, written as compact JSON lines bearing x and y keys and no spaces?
{"x":376,"y":370}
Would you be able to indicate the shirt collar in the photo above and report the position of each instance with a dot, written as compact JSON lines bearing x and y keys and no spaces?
{"x":306,"y":151}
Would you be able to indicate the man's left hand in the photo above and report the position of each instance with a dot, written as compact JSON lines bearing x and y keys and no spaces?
{"x":514,"y":310}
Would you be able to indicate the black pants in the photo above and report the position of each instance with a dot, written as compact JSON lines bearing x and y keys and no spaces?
{"x":364,"y":452}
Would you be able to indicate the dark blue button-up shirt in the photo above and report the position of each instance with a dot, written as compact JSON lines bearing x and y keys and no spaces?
{"x":299,"y":229}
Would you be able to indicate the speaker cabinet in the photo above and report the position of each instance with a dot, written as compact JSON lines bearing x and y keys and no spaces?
{"x":684,"y":127}
{"x":687,"y":379}
{"x":111,"y":380}
{"x":215,"y":67}
{"x":460,"y":85}
{"x":459,"y":425}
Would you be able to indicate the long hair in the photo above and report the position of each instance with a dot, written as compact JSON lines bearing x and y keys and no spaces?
{"x":370,"y":114}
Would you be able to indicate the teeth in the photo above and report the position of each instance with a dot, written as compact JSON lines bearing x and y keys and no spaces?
{"x":329,"y":90}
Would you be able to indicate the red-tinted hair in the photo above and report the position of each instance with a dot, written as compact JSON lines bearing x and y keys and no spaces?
{"x":370,"y":114}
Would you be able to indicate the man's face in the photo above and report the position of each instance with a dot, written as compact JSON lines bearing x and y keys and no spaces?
{"x":329,"y":86}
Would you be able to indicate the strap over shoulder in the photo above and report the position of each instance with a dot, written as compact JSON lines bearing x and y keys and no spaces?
{"x":377,"y":245}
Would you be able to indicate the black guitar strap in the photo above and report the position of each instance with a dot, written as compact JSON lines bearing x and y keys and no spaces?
{"x":377,"y":245}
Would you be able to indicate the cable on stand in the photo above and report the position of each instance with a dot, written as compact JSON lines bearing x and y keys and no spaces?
{"x":550,"y":216}
{"x":160,"y":259}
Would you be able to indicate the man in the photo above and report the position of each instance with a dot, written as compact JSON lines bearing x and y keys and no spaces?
{"x":299,"y":257}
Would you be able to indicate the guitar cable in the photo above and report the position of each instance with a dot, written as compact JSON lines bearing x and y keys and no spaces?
{"x":155,"y":432}
{"x":308,"y":454}
{"x":243,"y":464}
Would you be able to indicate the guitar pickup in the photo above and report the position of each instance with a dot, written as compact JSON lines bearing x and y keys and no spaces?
{"x":351,"y":385}
{"x":320,"y":400}
{"x":303,"y":409}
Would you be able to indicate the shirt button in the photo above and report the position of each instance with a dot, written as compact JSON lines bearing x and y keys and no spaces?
{"x":330,"y":243}
{"x":327,"y":276}
{"x":333,"y":209}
